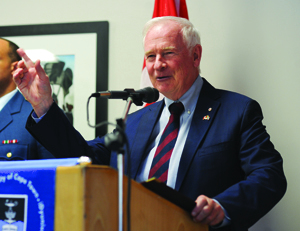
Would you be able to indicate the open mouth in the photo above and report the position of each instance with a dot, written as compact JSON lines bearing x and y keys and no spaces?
{"x":163,"y":77}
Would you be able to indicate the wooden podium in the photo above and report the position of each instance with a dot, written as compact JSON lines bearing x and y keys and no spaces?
{"x":87,"y":200}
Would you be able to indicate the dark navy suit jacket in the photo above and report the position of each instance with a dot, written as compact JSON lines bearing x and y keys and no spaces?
{"x":227,"y":156}
{"x":13,"y":118}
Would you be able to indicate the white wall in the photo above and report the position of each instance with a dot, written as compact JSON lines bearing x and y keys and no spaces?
{"x":251,"y":47}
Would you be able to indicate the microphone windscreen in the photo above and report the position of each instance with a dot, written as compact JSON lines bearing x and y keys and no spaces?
{"x":149,"y":94}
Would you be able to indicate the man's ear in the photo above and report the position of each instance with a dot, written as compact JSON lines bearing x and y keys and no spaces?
{"x":197,"y":54}
{"x":13,"y":66}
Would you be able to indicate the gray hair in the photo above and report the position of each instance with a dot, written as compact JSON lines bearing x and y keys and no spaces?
{"x":190,"y":34}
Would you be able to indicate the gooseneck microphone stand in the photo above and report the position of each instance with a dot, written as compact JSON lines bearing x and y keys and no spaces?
{"x":115,"y":141}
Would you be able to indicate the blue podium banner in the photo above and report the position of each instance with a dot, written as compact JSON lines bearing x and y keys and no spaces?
{"x":27,"y":194}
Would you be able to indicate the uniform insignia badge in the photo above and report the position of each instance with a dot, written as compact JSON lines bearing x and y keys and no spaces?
{"x":13,"y":141}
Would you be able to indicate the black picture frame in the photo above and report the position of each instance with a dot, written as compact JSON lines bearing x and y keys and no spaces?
{"x":101,"y":29}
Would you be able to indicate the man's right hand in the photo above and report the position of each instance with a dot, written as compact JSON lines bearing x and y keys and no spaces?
{"x":207,"y":211}
{"x":33,"y":82}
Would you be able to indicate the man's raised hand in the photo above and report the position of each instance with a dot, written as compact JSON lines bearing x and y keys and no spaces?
{"x":33,"y":82}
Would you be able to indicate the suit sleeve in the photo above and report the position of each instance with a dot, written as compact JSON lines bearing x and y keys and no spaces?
{"x":42,"y":152}
{"x":264,"y":183}
{"x":59,"y":137}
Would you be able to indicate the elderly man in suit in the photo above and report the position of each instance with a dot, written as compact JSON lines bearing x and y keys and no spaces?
{"x":16,"y":142}
{"x":222,"y":158}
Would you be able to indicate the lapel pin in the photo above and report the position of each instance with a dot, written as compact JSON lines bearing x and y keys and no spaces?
{"x":209,"y":109}
{"x":206,"y":117}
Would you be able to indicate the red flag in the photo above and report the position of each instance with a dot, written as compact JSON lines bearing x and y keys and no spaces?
{"x":175,"y":8}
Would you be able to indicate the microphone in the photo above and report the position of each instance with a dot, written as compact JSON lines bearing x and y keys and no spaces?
{"x":147,"y":95}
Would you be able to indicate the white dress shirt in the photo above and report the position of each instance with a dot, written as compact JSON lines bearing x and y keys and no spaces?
{"x":189,"y":100}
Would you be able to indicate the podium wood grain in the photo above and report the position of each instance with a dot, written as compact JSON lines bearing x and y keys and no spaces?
{"x":87,"y":200}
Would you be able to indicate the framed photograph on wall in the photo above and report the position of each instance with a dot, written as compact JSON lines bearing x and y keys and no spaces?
{"x":75,"y":57}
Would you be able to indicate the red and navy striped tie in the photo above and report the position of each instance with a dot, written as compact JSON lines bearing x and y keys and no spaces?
{"x":160,"y":165}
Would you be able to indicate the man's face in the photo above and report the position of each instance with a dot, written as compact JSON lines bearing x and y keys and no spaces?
{"x":6,"y":67}
{"x":172,"y":68}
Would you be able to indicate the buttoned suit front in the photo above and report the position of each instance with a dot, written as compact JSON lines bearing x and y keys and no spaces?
{"x":227,"y":156}
{"x":16,"y":141}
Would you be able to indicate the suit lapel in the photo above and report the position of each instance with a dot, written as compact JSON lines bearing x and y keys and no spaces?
{"x":204,"y":114}
{"x":12,"y":107}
